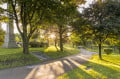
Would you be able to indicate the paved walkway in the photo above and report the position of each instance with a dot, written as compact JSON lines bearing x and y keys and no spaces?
{"x":47,"y":70}
{"x":40,"y":55}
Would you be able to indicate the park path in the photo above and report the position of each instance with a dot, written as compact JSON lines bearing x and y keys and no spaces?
{"x":47,"y":70}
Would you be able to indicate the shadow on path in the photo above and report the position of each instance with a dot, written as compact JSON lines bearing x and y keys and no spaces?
{"x":56,"y":68}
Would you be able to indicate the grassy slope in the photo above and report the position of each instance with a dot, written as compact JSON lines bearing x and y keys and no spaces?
{"x":15,"y":57}
{"x":109,"y":68}
{"x":53,"y":53}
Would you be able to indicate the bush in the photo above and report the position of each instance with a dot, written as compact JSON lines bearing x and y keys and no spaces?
{"x":34,"y":44}
{"x":108,"y":51}
{"x":37,"y":44}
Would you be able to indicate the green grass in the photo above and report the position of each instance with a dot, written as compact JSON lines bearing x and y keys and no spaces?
{"x":53,"y":53}
{"x":109,"y":68}
{"x":15,"y":57}
{"x":95,"y":49}
{"x":4,"y":51}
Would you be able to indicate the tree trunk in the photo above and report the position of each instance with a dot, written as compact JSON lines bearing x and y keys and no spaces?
{"x":119,"y":49}
{"x":61,"y":39}
{"x":100,"y":55}
{"x":25,"y":45}
{"x":48,"y":42}
{"x":73,"y":45}
{"x":56,"y":45}
{"x":61,"y":43}
{"x":25,"y":39}
{"x":25,"y":48}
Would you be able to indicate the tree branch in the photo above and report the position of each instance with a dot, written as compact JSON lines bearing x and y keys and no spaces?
{"x":16,"y":17}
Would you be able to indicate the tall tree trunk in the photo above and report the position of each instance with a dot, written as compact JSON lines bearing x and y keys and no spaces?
{"x":61,"y":39}
{"x":25,"y":46}
{"x":56,"y":45}
{"x":25,"y":40}
{"x":61,"y":43}
{"x":100,"y":55}
{"x":48,"y":42}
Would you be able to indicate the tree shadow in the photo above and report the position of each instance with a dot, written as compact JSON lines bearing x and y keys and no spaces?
{"x":55,"y":69}
{"x":109,"y":72}
{"x":110,"y":62}
{"x":77,"y":73}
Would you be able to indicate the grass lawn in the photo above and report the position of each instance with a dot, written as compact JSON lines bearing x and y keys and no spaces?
{"x":95,"y":49}
{"x":109,"y":68}
{"x":15,"y":57}
{"x":53,"y":53}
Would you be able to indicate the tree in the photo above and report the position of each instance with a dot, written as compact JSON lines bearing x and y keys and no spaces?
{"x":81,"y":29}
{"x":102,"y":21}
{"x":29,"y":13}
{"x":62,"y":17}
{"x":98,"y":22}
{"x":113,"y":8}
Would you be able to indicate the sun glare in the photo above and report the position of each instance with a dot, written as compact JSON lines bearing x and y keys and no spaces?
{"x":52,"y":36}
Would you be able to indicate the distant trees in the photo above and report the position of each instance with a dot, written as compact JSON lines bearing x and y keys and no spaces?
{"x":62,"y":16}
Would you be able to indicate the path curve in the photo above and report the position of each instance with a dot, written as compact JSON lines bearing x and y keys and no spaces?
{"x":47,"y":70}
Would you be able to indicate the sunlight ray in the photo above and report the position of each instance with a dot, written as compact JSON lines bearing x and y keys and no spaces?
{"x":91,"y":72}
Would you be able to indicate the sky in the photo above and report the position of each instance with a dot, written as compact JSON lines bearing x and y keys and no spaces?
{"x":15,"y":28}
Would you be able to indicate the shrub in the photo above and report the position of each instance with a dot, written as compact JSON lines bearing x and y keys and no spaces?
{"x":37,"y":44}
{"x":34,"y":44}
{"x":108,"y":51}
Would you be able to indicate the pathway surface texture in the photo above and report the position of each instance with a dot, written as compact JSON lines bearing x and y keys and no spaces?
{"x":47,"y":70}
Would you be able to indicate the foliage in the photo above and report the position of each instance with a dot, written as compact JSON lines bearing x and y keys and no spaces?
{"x":98,"y":22}
{"x":97,"y":15}
{"x":75,"y":39}
{"x":108,"y":51}
{"x":18,"y":37}
{"x":62,"y":16}
{"x":2,"y":33}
